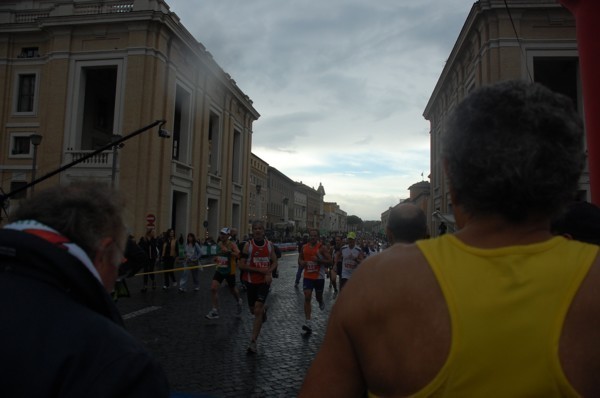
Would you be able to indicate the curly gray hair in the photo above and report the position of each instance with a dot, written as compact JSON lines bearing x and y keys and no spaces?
{"x":514,"y":149}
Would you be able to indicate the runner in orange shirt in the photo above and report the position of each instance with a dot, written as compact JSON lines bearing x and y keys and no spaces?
{"x":314,"y":258}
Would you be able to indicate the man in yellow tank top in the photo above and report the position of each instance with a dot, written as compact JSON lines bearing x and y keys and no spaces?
{"x":501,"y":308}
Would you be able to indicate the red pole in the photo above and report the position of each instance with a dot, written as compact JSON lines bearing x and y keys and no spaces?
{"x":586,"y":14}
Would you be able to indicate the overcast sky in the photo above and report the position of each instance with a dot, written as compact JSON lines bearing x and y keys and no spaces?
{"x":341,"y":86}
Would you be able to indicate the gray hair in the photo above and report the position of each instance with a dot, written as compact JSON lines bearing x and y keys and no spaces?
{"x":514,"y":149}
{"x":84,"y":212}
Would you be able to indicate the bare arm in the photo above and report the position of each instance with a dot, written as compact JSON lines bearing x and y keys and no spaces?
{"x":301,"y":261}
{"x":234,"y":250}
{"x":336,"y":371}
{"x":273,"y":261}
{"x":326,"y":253}
{"x":243,"y":263}
{"x":338,"y":256}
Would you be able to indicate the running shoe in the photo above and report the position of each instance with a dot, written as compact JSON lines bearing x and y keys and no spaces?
{"x":213,"y":314}
{"x":307,"y":328}
{"x":252,"y":347}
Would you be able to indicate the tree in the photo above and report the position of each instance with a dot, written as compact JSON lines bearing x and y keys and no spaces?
{"x":354,"y":221}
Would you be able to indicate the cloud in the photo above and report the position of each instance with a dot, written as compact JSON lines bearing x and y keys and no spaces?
{"x":341,"y":86}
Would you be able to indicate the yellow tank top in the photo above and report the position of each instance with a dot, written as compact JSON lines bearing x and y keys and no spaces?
{"x":507,"y":307}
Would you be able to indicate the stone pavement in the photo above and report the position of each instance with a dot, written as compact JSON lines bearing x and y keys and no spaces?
{"x":208,"y":358}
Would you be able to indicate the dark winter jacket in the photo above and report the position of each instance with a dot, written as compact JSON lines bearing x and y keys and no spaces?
{"x":60,"y":333}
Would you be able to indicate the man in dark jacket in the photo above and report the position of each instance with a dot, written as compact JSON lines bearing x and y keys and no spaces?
{"x":61,"y":333}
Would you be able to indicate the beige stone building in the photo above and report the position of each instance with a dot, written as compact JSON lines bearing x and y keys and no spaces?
{"x":334,"y":220}
{"x":314,"y":204}
{"x":258,"y":194}
{"x":523,"y":39}
{"x":280,"y":222}
{"x":300,"y":208}
{"x":77,"y":73}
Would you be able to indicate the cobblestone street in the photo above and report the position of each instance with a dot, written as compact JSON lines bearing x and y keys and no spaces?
{"x":208,"y":358}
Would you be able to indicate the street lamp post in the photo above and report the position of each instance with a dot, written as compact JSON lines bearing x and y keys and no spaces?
{"x":36,"y":140}
{"x":258,"y":209}
{"x":115,"y":138}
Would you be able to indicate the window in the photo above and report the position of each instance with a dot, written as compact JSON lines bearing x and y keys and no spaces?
{"x":559,"y":74}
{"x":14,"y":185}
{"x":29,"y":52}
{"x":181,"y":125}
{"x":99,"y":106}
{"x":25,"y":92}
{"x":213,"y":143}
{"x":20,"y":145}
{"x":95,"y":103}
{"x":236,"y":160}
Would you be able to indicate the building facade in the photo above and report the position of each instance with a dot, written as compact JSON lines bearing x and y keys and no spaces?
{"x":280,"y":223}
{"x":532,"y":40}
{"x":300,"y":209}
{"x":314,"y":204}
{"x":334,"y":220}
{"x":79,"y":74}
{"x":258,"y":194}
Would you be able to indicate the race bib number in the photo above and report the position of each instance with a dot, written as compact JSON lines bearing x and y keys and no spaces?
{"x":261,"y":262}
{"x":312,"y":266}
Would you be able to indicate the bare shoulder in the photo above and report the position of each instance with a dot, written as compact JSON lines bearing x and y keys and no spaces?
{"x":398,"y":263}
{"x":389,"y":330}
{"x":395,"y":296}
{"x":389,"y":282}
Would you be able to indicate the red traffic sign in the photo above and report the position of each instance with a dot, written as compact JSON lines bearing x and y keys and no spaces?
{"x":150,"y":218}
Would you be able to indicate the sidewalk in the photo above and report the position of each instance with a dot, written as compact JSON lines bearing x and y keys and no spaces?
{"x":208,"y":358}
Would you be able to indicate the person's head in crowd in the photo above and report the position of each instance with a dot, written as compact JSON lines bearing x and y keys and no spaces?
{"x":313,"y":236}
{"x":224,"y":234}
{"x":579,"y":221}
{"x":149,"y":233}
{"x":513,"y":150}
{"x":191,"y":238}
{"x":351,"y":238}
{"x":258,"y":230}
{"x":407,"y":223}
{"x":89,"y":214}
